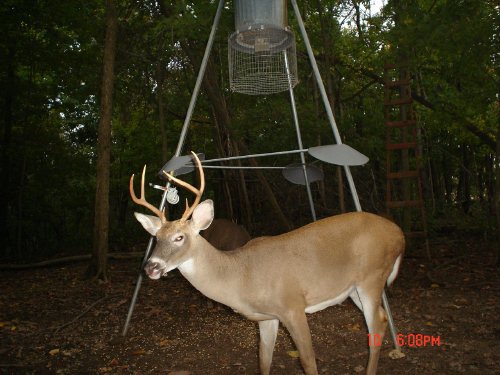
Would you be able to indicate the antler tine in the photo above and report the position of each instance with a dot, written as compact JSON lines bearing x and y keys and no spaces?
{"x":142,"y":201}
{"x":198,"y":192}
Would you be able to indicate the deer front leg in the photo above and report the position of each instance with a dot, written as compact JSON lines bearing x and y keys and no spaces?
{"x":268,"y":331}
{"x":296,"y":323}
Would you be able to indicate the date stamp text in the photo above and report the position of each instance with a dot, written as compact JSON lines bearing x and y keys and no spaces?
{"x":412,"y":340}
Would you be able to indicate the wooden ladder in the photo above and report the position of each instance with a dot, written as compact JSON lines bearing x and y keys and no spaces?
{"x":404,"y":196}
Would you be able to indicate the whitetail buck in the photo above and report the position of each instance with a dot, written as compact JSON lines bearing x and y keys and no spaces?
{"x":223,"y":234}
{"x":281,"y":278}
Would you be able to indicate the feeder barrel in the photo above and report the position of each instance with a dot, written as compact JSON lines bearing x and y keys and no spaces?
{"x":250,"y":13}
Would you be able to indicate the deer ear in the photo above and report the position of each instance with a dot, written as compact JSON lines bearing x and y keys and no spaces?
{"x":151,"y":223}
{"x":203,"y":215}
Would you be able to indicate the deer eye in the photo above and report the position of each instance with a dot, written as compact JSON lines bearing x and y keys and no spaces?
{"x":179,"y":238}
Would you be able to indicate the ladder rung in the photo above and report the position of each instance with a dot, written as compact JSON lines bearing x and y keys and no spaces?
{"x":402,"y":82}
{"x":400,"y":124}
{"x":401,"y":146}
{"x":401,"y":204}
{"x":395,"y":102}
{"x":404,"y":174}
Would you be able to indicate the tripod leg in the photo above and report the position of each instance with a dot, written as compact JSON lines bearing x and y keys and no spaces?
{"x":137,"y":287}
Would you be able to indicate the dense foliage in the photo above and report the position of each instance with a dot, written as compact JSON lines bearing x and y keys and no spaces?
{"x":51,"y":70}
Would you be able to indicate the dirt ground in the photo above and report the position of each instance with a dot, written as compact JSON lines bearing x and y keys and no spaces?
{"x":52,"y":321}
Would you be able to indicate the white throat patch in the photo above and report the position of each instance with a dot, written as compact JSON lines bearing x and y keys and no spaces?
{"x":187,"y":267}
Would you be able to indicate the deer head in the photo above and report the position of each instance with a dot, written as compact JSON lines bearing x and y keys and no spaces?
{"x":176,"y":241}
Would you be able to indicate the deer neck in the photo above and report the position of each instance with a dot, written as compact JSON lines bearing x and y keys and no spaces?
{"x":211,"y":271}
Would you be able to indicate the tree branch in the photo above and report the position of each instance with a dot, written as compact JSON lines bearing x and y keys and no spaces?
{"x":64,"y":260}
{"x":484,"y":137}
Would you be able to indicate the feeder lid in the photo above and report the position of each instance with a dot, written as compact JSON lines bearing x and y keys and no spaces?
{"x":339,"y":154}
{"x":295,"y":174}
{"x":180,"y":165}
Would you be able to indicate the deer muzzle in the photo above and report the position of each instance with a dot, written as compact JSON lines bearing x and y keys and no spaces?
{"x":155,"y":268}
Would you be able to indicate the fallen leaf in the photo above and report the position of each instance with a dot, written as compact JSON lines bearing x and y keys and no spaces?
{"x":67,"y":353}
{"x":139,"y":352}
{"x":359,"y":368}
{"x":113,"y":362}
{"x":354,"y":327}
{"x":182,"y":372}
{"x":54,"y":351}
{"x":396,"y":354}
{"x":164,"y":342}
{"x":293,"y":353}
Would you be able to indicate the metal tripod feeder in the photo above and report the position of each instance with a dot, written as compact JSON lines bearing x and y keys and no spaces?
{"x":286,"y":73}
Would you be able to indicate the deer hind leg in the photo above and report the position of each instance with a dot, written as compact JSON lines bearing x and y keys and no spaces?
{"x":268,"y":331}
{"x":376,"y":320}
{"x":296,"y":323}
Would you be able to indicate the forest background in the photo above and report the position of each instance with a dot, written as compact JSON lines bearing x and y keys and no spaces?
{"x":91,"y":91}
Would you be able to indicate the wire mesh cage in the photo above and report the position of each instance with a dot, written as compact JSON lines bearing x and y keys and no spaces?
{"x":262,"y":60}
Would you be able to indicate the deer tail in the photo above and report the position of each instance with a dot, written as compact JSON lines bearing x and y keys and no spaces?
{"x":395,"y":270}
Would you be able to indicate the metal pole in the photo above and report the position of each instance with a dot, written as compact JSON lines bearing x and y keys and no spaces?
{"x":326,"y":103}
{"x":199,"y":79}
{"x":390,"y":321}
{"x":137,"y":288}
{"x":139,"y":278}
{"x":299,"y":138}
{"x":336,"y":134}
{"x":182,"y":139}
{"x":203,"y":162}
{"x":238,"y":167}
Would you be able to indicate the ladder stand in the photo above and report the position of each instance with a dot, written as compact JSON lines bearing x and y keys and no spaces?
{"x":404,"y":195}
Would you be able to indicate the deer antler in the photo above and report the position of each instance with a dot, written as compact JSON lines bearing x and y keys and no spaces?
{"x":142,"y":201}
{"x":198,"y":192}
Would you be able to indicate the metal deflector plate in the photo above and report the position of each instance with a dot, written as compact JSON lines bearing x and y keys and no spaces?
{"x":180,"y":165}
{"x":295,"y":174}
{"x":339,"y":154}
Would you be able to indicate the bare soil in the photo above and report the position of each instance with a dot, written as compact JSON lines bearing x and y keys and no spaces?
{"x":53,"y":322}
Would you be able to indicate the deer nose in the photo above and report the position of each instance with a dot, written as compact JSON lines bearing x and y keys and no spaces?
{"x":152,"y":266}
{"x":153,"y":270}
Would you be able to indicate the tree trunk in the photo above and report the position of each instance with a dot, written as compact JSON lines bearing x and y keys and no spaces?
{"x":496,"y":203}
{"x":98,"y":263}
{"x":446,"y":168}
{"x":246,"y":216}
{"x":8,"y":120}
{"x":331,"y":91}
{"x":221,"y":139}
{"x":463,"y":190}
{"x":161,"y":111}
{"x":405,"y":137}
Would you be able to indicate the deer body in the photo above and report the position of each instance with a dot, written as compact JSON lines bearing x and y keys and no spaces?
{"x":316,"y":262}
{"x":223,"y":234}
{"x":281,"y":278}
